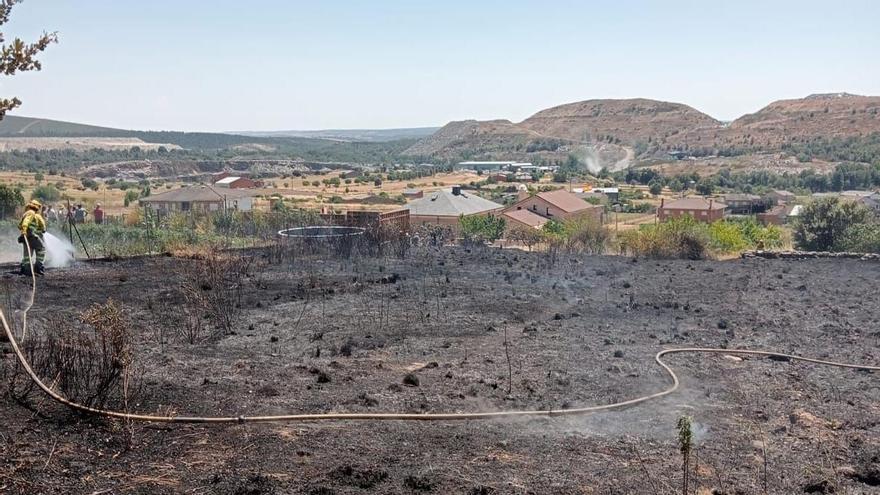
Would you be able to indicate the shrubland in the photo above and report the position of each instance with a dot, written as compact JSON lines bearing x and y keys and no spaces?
{"x":684,"y":237}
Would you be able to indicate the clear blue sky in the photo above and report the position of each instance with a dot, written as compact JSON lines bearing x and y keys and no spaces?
{"x":274,"y":64}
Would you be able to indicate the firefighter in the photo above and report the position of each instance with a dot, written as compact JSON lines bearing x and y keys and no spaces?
{"x":32,"y":227}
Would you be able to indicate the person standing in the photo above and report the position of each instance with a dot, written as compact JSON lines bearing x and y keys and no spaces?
{"x":53,"y":215}
{"x":79,"y":214}
{"x":32,"y":227}
{"x":98,"y":213}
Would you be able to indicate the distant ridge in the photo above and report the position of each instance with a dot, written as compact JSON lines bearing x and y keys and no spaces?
{"x":366,"y":135}
{"x":627,"y":129}
{"x":14,"y":126}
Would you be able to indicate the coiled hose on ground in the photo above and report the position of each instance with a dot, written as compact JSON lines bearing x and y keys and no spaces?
{"x":394,"y":416}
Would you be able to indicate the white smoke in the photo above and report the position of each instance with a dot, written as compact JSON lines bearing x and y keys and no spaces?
{"x":59,"y":252}
{"x":589,"y":158}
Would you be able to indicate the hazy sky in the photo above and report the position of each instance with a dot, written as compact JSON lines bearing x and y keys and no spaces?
{"x":274,"y":64}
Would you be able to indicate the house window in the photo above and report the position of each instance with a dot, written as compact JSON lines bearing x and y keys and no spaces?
{"x":548,"y":212}
{"x":703,"y":213}
{"x":185,"y":206}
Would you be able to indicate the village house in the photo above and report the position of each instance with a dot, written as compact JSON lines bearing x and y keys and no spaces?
{"x":872,"y":201}
{"x":779,"y":197}
{"x":744,"y":204}
{"x":235,"y":182}
{"x":445,"y":207}
{"x":702,"y":209}
{"x":612,"y":193}
{"x":413,"y":193}
{"x":558,"y":205}
{"x":200,"y":199}
{"x":523,"y":219}
{"x":778,"y":215}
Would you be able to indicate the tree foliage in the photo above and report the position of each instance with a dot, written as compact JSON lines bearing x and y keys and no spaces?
{"x":684,"y":237}
{"x":478,"y":229}
{"x":844,"y":176}
{"x":46,"y":193}
{"x":10,"y":200}
{"x":860,"y":238}
{"x":822,"y":223}
{"x":17,"y":55}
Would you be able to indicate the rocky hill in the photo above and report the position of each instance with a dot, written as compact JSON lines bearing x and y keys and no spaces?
{"x":472,"y":138}
{"x":618,"y":121}
{"x":650,"y":128}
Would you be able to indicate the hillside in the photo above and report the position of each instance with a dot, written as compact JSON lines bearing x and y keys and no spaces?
{"x":650,"y":129}
{"x":824,"y":116}
{"x":31,"y":127}
{"x":472,"y":138}
{"x":13,"y":126}
{"x":620,"y":121}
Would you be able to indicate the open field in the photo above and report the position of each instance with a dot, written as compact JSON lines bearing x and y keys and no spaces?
{"x":112,"y":200}
{"x":292,"y":187}
{"x":318,"y":333}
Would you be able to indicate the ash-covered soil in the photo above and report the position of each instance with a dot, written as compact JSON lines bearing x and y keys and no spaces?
{"x":427,"y":334}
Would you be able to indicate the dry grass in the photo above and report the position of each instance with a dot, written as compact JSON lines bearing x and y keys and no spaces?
{"x":112,"y":200}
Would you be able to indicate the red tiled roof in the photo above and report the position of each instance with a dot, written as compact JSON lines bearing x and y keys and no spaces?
{"x":694,"y":204}
{"x":526,"y":217}
{"x":565,"y":201}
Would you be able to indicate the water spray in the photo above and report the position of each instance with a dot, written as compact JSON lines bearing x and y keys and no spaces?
{"x":59,"y":252}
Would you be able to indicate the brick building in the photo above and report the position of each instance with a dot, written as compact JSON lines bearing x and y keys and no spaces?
{"x":447,"y":206}
{"x":702,"y":209}
{"x":233,"y":182}
{"x":559,"y":205}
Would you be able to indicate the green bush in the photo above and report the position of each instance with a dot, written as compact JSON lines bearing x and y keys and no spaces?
{"x":10,"y":200}
{"x":130,"y":197}
{"x":726,"y":237}
{"x":478,"y":229}
{"x":822,"y":223}
{"x":861,"y":238}
{"x":684,"y":237}
{"x":681,"y":237}
{"x":46,"y":193}
{"x":585,"y":235}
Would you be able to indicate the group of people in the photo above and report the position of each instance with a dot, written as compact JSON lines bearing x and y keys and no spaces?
{"x":76,"y":214}
{"x":32,"y":227}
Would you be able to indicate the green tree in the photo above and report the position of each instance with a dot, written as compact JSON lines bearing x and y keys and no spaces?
{"x":130,"y":197}
{"x":705,"y":186}
{"x":554,"y":228}
{"x":860,"y":238}
{"x":527,"y":236}
{"x":655,"y":188}
{"x":10,"y":200}
{"x":19,"y":56}
{"x":46,"y":193}
{"x":822,"y":223}
{"x":481,"y":228}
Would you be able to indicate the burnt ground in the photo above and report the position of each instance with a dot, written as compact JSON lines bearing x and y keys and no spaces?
{"x":321,"y":334}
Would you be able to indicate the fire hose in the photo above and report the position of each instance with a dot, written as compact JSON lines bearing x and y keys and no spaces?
{"x":658,"y":358}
